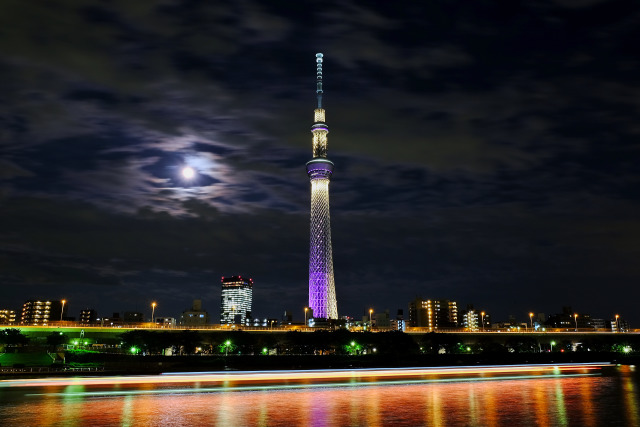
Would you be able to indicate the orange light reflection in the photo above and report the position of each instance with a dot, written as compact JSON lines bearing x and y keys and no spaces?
{"x":248,"y":377}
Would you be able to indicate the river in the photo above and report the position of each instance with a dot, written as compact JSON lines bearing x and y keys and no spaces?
{"x":608,"y":396}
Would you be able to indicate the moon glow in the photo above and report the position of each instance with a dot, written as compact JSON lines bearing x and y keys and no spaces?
{"x":188,"y":172}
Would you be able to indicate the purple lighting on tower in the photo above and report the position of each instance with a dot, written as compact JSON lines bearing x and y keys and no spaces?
{"x":322,"y":289}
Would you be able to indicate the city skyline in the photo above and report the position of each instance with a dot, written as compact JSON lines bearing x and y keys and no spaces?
{"x":483,"y":154}
{"x":236,"y":308}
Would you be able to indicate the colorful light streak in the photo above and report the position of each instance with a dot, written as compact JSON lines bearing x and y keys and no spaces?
{"x":301,"y":386}
{"x":401,"y":375}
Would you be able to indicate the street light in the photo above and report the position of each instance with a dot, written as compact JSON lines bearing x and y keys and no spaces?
{"x":305,"y":315}
{"x":62,"y":311}
{"x":552,"y":344}
{"x":482,"y":314}
{"x":531,"y":320}
{"x":227,"y":344}
{"x":575,"y":317}
{"x":617,"y":323}
{"x":153,"y":310}
{"x":370,"y":313}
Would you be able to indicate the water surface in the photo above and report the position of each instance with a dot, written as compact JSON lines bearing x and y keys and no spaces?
{"x":610,"y":398}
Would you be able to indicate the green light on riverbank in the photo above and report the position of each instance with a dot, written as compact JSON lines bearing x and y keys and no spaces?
{"x":226,"y":347}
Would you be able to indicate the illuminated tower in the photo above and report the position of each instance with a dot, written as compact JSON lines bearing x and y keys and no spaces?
{"x":322,"y":288}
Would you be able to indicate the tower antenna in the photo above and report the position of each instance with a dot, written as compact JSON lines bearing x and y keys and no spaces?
{"x":319,"y":78}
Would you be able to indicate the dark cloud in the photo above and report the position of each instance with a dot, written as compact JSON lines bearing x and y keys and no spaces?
{"x":484,"y":152}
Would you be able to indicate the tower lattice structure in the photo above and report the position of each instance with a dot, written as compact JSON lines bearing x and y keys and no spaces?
{"x":322,"y":289}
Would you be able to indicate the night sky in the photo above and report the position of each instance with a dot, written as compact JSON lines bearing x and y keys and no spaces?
{"x":486,"y":152}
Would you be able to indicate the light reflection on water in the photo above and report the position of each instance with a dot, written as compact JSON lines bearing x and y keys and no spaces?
{"x":559,"y":401}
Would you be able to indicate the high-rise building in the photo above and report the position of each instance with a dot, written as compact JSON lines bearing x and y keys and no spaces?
{"x":398,"y":323}
{"x":168,"y":322}
{"x":599,"y":324}
{"x":237,"y":297}
{"x":470,"y":319}
{"x":36,"y":312}
{"x":7,"y":317}
{"x":114,"y":320}
{"x":433,"y":314}
{"x":196,"y":316}
{"x":474,"y":320}
{"x":88,"y":316}
{"x":322,"y":290}
{"x":382,"y":320}
{"x":569,"y":319}
{"x":618,"y":324}
{"x":133,"y":317}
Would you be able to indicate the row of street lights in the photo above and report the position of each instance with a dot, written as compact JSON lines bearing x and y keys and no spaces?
{"x":153,"y":309}
{"x":306,"y":309}
{"x":575,"y":319}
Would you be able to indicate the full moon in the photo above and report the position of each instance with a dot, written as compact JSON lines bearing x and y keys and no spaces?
{"x":188,"y":172}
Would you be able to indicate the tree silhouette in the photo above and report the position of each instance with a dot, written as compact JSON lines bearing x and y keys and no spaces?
{"x":13,"y":337}
{"x":56,"y":339}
